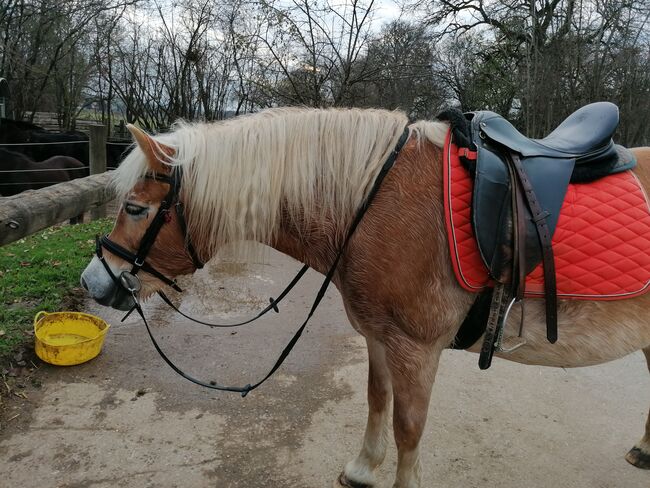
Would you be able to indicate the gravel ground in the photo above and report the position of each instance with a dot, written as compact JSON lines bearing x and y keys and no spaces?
{"x":125,"y":419}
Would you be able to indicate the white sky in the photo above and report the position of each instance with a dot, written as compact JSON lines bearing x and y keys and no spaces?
{"x":388,"y":10}
{"x":384,"y":12}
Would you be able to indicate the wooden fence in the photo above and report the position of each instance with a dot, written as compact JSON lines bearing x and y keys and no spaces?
{"x":33,"y":210}
{"x":49,"y":121}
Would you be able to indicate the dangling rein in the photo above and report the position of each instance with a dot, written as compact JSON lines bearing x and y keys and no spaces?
{"x":130,"y":282}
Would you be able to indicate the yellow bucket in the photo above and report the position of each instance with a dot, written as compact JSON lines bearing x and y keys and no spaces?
{"x":68,"y":338}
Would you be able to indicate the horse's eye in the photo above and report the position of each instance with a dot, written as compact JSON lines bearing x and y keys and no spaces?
{"x":133,"y":209}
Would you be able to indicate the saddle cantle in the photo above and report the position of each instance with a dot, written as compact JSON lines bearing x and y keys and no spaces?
{"x":585,"y":135}
{"x":519,"y":187}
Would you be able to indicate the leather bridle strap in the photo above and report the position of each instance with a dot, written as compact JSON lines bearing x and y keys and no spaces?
{"x":138,"y":259}
{"x":158,"y":221}
{"x":273,"y":305}
{"x":126,"y":255}
{"x":244,"y":390}
{"x":175,"y":182}
{"x":180,"y":212}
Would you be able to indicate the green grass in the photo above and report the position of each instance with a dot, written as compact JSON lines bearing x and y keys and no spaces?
{"x":41,"y":272}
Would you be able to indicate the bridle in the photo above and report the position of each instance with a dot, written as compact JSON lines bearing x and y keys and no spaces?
{"x":138,"y":259}
{"x":129,"y":281}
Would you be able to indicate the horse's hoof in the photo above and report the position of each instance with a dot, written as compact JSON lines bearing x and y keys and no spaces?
{"x":638,"y":458}
{"x":343,"y":482}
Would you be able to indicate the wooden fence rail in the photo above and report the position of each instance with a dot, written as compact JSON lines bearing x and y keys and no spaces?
{"x":33,"y":210}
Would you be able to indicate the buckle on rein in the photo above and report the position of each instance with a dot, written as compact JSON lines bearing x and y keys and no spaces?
{"x":510,"y":344}
{"x":130,"y":282}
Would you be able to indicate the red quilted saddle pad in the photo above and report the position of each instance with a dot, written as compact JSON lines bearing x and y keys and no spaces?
{"x":601,"y":243}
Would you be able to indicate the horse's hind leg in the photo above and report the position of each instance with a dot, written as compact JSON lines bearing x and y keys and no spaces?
{"x":359,"y":473}
{"x":639,"y":455}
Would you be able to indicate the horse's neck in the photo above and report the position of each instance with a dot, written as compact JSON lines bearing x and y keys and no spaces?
{"x":314,"y":243}
{"x":10,"y":160}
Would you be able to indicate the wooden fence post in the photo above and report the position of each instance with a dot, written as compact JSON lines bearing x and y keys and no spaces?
{"x":98,"y":161}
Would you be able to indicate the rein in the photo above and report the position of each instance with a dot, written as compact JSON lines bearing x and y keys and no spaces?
{"x":130,"y":282}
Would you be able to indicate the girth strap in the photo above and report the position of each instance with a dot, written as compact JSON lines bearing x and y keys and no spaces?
{"x":495,"y":323}
{"x":475,"y":321}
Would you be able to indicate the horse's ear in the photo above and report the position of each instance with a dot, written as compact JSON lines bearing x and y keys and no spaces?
{"x":157,"y":153}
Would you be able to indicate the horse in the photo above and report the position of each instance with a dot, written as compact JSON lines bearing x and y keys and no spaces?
{"x":40,"y":143}
{"x":20,"y":173}
{"x":293,"y":179}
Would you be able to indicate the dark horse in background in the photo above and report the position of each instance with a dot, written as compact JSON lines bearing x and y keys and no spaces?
{"x":41,"y":144}
{"x":39,"y":141}
{"x":19,"y":173}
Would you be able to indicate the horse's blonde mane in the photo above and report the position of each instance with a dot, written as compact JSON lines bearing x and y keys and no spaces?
{"x":239,"y":175}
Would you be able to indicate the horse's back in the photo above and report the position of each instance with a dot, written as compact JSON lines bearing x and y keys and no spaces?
{"x":76,"y":168}
{"x":26,"y":174}
{"x":642,"y":169}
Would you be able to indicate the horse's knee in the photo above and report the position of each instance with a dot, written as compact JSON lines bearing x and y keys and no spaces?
{"x":409,"y":417}
{"x":408,"y":431}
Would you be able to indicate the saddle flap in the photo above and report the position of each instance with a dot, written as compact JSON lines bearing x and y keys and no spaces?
{"x":492,"y":216}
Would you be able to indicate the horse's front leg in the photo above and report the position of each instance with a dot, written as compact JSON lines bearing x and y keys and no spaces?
{"x":360,"y":472}
{"x":413,"y":368}
{"x":639,"y":455}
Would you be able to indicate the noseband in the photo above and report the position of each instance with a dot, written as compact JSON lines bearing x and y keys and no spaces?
{"x":138,"y":259}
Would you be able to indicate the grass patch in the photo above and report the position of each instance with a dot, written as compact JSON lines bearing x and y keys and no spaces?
{"x":41,"y":272}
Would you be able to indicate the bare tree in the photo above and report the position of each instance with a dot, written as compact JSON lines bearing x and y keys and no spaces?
{"x":41,"y":35}
{"x":317,"y":48}
{"x":546,"y":57}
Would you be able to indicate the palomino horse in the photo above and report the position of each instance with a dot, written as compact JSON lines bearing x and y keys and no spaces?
{"x":293,"y":179}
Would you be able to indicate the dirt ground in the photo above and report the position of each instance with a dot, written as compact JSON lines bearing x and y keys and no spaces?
{"x":126,"y":419}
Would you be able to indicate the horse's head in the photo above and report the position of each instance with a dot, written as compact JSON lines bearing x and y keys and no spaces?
{"x":148,"y":246}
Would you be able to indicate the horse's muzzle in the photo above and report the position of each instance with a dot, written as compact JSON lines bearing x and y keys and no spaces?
{"x":103,"y":289}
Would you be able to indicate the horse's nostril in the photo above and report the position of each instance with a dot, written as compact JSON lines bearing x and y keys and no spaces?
{"x":83,"y":283}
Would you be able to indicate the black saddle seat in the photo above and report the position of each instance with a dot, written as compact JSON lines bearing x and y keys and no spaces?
{"x":585,"y":135}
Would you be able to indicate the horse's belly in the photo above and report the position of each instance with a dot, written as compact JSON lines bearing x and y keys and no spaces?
{"x":589,"y":333}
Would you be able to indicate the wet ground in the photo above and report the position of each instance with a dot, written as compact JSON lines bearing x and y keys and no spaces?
{"x":126,"y":419}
